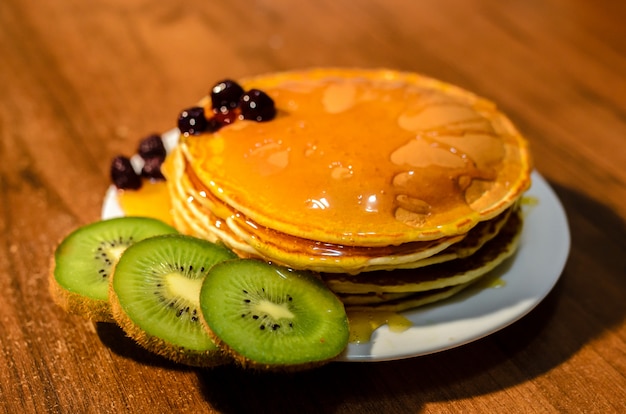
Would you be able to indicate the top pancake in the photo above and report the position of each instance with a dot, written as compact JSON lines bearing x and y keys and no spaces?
{"x":365,"y":158}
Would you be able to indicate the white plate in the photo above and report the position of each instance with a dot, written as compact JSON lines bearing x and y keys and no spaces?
{"x":524,"y":281}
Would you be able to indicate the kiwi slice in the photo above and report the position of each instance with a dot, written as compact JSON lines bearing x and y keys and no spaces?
{"x":84,"y":260}
{"x":155,"y":294}
{"x":271,"y":317}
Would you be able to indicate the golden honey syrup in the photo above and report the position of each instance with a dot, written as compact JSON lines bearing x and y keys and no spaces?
{"x":364,"y":323}
{"x":151,"y":200}
{"x":365,"y":158}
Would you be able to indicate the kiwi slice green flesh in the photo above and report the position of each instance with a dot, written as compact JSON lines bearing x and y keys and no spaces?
{"x":84,"y":260}
{"x":270,"y":317}
{"x":155,"y":293}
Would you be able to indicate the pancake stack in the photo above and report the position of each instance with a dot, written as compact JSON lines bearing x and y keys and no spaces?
{"x":398,"y":189}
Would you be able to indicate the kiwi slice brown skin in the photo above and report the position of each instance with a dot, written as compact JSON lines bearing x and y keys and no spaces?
{"x":271,"y":318}
{"x":83,"y":261}
{"x":77,"y":304}
{"x":154,"y":294}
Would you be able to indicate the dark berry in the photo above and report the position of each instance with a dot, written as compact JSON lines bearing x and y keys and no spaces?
{"x":123,"y":175}
{"x":256,"y":105}
{"x":151,"y":147}
{"x":152,"y":168}
{"x":225,"y":95}
{"x":191,"y":121}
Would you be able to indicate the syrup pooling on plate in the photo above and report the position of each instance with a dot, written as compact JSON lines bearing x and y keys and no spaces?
{"x":424,"y":158}
{"x":151,"y":200}
{"x":364,"y":323}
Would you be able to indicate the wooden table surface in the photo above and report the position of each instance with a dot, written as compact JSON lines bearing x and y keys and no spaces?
{"x":83,"y":81}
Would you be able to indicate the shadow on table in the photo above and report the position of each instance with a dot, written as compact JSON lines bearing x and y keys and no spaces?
{"x":587,"y":301}
{"x":113,"y":337}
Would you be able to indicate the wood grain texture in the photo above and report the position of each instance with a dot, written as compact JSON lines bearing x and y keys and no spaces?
{"x":83,"y":81}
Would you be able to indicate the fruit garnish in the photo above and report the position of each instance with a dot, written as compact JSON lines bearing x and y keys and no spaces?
{"x":151,"y":147}
{"x":195,"y":302}
{"x":154,"y":295}
{"x":225,"y":95}
{"x":271,"y":317}
{"x":192,"y":121}
{"x":85,"y":259}
{"x":229,"y":102}
{"x":152,"y":168}
{"x":256,"y":105}
{"x":123,"y":176}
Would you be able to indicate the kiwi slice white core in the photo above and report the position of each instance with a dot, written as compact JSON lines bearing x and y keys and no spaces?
{"x":181,"y":286}
{"x":274,"y":310}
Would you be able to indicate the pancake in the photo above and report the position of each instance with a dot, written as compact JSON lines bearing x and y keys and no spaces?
{"x":368,"y":158}
{"x":398,"y":189}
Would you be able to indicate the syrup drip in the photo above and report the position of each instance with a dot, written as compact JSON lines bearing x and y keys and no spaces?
{"x":364,"y":323}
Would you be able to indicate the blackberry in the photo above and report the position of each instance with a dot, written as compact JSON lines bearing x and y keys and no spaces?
{"x":192,"y":121}
{"x":225,"y":95}
{"x":123,"y":175}
{"x":152,"y":147}
{"x":256,"y":105}
{"x":152,"y":168}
